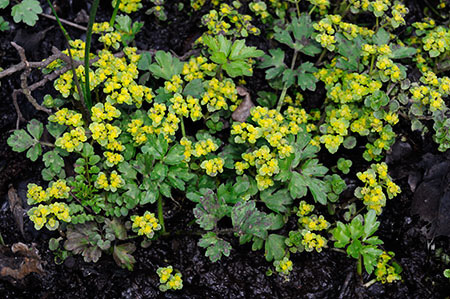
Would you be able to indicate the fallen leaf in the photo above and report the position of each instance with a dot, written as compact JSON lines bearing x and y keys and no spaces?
{"x":243,"y":111}
{"x":21,"y":262}
{"x":15,"y":205}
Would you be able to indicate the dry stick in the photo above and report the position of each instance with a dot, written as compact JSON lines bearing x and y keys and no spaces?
{"x":64,"y":21}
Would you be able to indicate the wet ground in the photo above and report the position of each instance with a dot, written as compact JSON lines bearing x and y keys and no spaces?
{"x":328,"y":274}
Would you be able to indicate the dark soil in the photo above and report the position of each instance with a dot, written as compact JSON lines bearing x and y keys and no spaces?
{"x":329,"y":274}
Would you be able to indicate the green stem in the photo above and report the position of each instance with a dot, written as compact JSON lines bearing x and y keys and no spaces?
{"x":359,"y":265}
{"x":285,"y":87}
{"x":377,"y":24}
{"x":83,"y":109}
{"x":160,"y":214}
{"x":113,"y":17}
{"x":92,"y":14}
{"x":183,"y":130}
{"x":372,"y":61}
{"x":64,"y":31}
{"x":312,"y":9}
{"x":46,"y":144}
{"x":298,"y":8}
{"x":322,"y":55}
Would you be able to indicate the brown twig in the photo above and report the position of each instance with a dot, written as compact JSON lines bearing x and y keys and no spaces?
{"x":64,"y":21}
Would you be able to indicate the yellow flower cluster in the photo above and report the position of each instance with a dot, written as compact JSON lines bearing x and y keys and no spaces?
{"x":437,"y":41}
{"x":145,"y":225}
{"x":385,"y":64}
{"x":67,"y":117}
{"x":186,"y":107}
{"x":399,"y":11}
{"x":375,"y":179}
{"x":266,"y":165}
{"x":260,"y":9}
{"x":120,"y":77}
{"x":217,"y":93}
{"x":314,"y":223}
{"x":73,"y":140}
{"x":128,"y":6}
{"x":427,"y":23}
{"x":213,"y":166}
{"x":115,"y":181}
{"x":197,"y":67}
{"x":198,"y":149}
{"x":197,"y":4}
{"x":432,"y":94}
{"x":102,"y":112}
{"x":313,"y":241}
{"x":64,"y":84}
{"x":220,"y":22}
{"x":37,"y":194}
{"x":174,"y":85}
{"x":104,"y":133}
{"x":109,"y":37}
{"x":162,"y":122}
{"x":284,"y":266}
{"x":384,"y":272}
{"x":304,"y":209}
{"x":112,"y":158}
{"x":49,"y":215}
{"x":168,"y":280}
{"x":330,"y":24}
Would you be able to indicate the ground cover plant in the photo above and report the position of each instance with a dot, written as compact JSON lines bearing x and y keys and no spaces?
{"x":272,"y":135}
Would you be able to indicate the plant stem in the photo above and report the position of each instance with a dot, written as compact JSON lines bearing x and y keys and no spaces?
{"x":359,"y":265}
{"x":160,"y":214}
{"x":322,"y":55}
{"x":298,"y":9}
{"x":92,"y":14}
{"x":368,"y":284}
{"x":312,"y":9}
{"x":64,"y":31}
{"x":372,"y":61}
{"x":46,"y":144}
{"x":183,"y":130}
{"x":83,"y":109}
{"x":113,"y":17}
{"x":285,"y":87}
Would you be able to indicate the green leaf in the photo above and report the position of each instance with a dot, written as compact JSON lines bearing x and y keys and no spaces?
{"x":194,"y":88}
{"x":149,"y":196}
{"x":36,"y":128}
{"x":370,"y":256}
{"x":127,"y":171}
{"x":278,"y":201}
{"x":313,"y":168}
{"x":370,"y":223}
{"x":55,"y":129}
{"x":175,"y":155}
{"x":341,"y":234}
{"x":274,"y":248}
{"x":356,"y":228}
{"x":166,"y":66}
{"x":216,"y":247}
{"x":210,"y":210}
{"x":399,"y":52}
{"x":145,"y":61}
{"x":165,"y":190}
{"x":34,"y":152}
{"x":27,"y":11}
{"x":242,"y":185}
{"x":305,"y":76}
{"x":318,"y":190}
{"x":159,"y":173}
{"x":122,"y":255}
{"x":275,"y":63}
{"x":381,"y":37}
{"x":53,"y":160}
{"x":4,"y":3}
{"x":248,"y":220}
{"x":297,"y":185}
{"x":20,"y":141}
{"x":4,"y":25}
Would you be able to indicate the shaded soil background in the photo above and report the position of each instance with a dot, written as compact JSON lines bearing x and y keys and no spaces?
{"x":328,"y":274}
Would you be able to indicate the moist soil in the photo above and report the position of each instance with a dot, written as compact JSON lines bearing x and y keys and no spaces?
{"x":329,"y":274}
